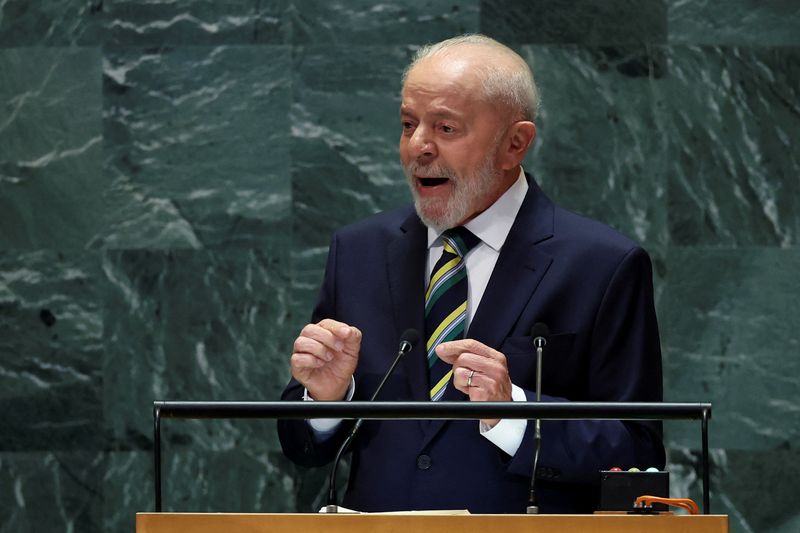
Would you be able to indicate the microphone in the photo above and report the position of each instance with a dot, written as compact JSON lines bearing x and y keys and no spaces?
{"x":408,"y":339}
{"x":539,"y":332}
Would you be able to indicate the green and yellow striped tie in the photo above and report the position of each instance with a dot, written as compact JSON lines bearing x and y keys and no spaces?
{"x":446,"y":303}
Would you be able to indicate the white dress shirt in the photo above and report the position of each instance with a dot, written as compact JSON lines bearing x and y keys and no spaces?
{"x":492,"y":228}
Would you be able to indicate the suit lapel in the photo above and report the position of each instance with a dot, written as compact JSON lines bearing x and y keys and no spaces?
{"x":406,"y":273}
{"x":518,"y":271}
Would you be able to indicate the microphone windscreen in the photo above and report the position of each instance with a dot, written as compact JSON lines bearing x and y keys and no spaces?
{"x":540,"y":329}
{"x":411,"y":336}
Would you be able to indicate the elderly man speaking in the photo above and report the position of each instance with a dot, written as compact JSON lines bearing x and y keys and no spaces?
{"x":480,"y":258}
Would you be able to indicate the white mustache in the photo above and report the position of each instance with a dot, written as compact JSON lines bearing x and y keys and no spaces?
{"x":415,"y":169}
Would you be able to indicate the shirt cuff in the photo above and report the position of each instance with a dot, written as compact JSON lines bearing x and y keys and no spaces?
{"x":507,"y":434}
{"x":325,"y":427}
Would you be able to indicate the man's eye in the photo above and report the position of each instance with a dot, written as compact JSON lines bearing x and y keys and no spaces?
{"x":448,"y":129}
{"x":407,"y":125}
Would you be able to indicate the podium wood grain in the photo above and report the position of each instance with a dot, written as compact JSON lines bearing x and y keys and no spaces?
{"x":402,"y":523}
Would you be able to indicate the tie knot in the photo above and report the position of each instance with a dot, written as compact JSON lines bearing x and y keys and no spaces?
{"x":460,"y":239}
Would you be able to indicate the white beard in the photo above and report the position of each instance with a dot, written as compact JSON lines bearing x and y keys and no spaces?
{"x":465,"y":199}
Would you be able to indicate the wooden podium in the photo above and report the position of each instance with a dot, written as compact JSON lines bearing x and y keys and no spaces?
{"x":405,"y":522}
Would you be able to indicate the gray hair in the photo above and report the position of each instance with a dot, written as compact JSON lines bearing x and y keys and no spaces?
{"x":514,"y":87}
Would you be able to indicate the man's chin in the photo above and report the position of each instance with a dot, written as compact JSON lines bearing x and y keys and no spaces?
{"x":435,"y":217}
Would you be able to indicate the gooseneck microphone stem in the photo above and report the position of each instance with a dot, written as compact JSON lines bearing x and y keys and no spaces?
{"x":407,"y":341}
{"x":538,"y":332}
{"x":533,"y":506}
{"x":331,"y":507}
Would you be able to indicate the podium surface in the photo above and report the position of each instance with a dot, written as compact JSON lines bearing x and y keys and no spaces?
{"x":397,"y":523}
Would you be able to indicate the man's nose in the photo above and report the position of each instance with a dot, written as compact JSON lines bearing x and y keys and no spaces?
{"x":422,"y":145}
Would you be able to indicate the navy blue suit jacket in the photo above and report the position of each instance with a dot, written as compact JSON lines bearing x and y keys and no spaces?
{"x":588,"y":283}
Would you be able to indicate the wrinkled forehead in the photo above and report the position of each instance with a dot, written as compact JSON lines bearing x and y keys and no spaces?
{"x":443,"y":99}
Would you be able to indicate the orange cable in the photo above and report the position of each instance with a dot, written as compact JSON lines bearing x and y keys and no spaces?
{"x":683,"y":503}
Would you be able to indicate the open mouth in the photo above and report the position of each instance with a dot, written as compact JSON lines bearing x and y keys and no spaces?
{"x":432,"y":182}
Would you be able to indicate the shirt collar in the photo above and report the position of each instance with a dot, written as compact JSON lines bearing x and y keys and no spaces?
{"x":493,"y":225}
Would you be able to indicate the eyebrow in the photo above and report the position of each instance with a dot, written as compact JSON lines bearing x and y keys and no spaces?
{"x":439,"y":113}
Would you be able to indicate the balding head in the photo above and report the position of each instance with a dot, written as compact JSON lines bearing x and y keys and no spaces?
{"x":505,"y":78}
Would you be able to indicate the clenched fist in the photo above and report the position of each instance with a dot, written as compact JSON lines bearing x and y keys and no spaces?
{"x":324,"y":358}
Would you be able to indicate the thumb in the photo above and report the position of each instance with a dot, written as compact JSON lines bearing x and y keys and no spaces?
{"x":448,"y":352}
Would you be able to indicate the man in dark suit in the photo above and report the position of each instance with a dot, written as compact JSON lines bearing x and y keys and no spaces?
{"x":467,"y":117}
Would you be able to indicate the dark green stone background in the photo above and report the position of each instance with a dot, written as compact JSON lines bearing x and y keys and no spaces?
{"x":170,"y":173}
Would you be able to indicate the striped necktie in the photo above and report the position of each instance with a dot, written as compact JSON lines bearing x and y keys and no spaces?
{"x":446,"y":303}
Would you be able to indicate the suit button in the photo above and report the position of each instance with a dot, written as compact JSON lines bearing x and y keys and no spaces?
{"x":423,"y":462}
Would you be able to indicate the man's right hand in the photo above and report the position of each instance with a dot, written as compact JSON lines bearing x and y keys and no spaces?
{"x":325,"y":358}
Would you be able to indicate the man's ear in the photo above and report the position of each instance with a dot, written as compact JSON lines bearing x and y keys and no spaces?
{"x":519,"y":138}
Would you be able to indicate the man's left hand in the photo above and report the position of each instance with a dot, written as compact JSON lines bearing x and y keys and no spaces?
{"x":478,"y":371}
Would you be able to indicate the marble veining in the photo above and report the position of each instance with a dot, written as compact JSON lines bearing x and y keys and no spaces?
{"x":171,"y":173}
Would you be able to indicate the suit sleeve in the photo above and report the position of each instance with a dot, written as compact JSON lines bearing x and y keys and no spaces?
{"x":625,"y":366}
{"x":296,"y":436}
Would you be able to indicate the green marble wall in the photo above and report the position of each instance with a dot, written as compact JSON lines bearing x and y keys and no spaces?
{"x":170,"y":173}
